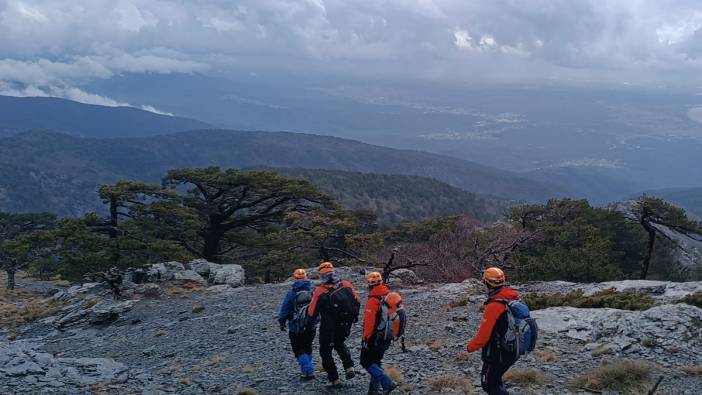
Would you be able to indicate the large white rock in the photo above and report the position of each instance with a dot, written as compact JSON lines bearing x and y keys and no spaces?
{"x":166,"y":270}
{"x":404,"y":276}
{"x":232,"y":275}
{"x":203,"y":267}
{"x":665,"y":324}
{"x":189,"y":275}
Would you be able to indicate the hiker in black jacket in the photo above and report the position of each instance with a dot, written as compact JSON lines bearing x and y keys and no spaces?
{"x":337,"y":304}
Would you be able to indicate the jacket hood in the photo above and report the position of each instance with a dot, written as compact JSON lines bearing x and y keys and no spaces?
{"x":504,"y":293}
{"x":300,"y":285}
{"x":330,"y":278}
{"x":379,"y":290}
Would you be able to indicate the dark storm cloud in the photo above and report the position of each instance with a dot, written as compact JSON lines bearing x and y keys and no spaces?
{"x":51,"y":46}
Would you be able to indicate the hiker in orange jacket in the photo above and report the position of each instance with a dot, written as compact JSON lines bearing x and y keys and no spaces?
{"x":492,"y":327}
{"x":373,"y":347}
{"x":337,"y":304}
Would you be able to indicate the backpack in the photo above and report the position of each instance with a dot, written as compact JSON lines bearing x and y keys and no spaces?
{"x":301,"y":304}
{"x":522,"y":331}
{"x":392,"y":319}
{"x":343,"y":304}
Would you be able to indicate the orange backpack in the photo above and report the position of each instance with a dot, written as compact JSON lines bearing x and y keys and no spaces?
{"x":392,"y":319}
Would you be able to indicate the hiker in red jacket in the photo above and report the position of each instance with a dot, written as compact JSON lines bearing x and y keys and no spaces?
{"x":337,"y":304}
{"x":373,"y":345}
{"x":492,"y":328}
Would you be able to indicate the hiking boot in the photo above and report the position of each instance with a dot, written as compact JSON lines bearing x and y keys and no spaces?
{"x":390,"y":388}
{"x":307,"y":377}
{"x":335,"y":384}
{"x":350,"y":373}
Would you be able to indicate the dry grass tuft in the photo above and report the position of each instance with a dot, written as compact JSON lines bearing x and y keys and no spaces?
{"x":90,"y":303}
{"x":450,"y":382}
{"x":649,"y":342}
{"x":407,"y":388}
{"x":623,"y":375}
{"x":20,"y":306}
{"x":214,"y":360}
{"x":692,"y":370}
{"x":198,"y":308}
{"x":185,"y":380}
{"x":601,"y":350}
{"x":98,"y":389}
{"x":169,"y":370}
{"x":196,"y":369}
{"x":247,"y":391}
{"x":160,"y":333}
{"x":394,"y":373}
{"x":460,"y":302}
{"x":435,"y":345}
{"x":547,"y":355}
{"x":526,"y":376}
{"x":248,"y":369}
{"x":463,"y":357}
{"x":184,"y":289}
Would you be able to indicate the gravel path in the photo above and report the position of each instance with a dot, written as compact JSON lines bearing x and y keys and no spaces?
{"x":221,"y":342}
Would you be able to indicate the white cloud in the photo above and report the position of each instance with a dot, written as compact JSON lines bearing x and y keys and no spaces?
{"x":462,"y":39}
{"x":155,"y":110}
{"x":30,"y":13}
{"x":70,"y":93}
{"x":129,"y":17}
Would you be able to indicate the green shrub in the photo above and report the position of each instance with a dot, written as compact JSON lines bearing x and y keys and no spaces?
{"x":694,"y":299}
{"x":608,"y":298}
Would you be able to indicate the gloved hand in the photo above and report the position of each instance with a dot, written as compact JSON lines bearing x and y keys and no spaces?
{"x":364,"y":345}
{"x":282,"y":327}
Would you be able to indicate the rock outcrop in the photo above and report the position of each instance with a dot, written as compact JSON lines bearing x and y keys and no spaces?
{"x":22,"y":366}
{"x":232,"y":275}
{"x":103,"y":312}
{"x":199,"y":271}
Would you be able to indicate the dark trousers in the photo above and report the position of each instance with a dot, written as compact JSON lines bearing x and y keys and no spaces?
{"x":491,"y":377}
{"x":302,"y":343}
{"x":373,"y":354}
{"x":332,"y":337}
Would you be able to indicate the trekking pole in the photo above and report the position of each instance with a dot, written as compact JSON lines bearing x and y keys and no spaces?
{"x":655,"y":387}
{"x":402,"y":343}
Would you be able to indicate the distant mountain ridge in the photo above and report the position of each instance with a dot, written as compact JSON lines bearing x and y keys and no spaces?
{"x":48,"y":113}
{"x":59,"y":173}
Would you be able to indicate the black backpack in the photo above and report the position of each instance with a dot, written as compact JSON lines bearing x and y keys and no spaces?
{"x":343,"y":304}
{"x":300,"y":317}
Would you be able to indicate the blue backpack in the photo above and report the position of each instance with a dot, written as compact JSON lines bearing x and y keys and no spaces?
{"x":522,"y":331}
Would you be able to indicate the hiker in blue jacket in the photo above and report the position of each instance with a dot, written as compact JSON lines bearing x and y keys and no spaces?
{"x":293,"y":312}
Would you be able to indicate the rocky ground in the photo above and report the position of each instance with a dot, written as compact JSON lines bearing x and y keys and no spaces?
{"x":187,"y":338}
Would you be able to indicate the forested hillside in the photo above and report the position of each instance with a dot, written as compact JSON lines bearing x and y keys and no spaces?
{"x":45,"y":171}
{"x":396,"y":198}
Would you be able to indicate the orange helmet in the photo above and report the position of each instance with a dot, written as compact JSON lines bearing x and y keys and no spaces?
{"x":325,"y":267}
{"x":300,"y":274}
{"x":374,"y":278}
{"x":494,"y":277}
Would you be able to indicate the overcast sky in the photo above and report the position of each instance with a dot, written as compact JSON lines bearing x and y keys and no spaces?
{"x":54,"y":47}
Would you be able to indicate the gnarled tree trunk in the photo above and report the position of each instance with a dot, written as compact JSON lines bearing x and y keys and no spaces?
{"x":649,"y":253}
{"x":10,"y":279}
